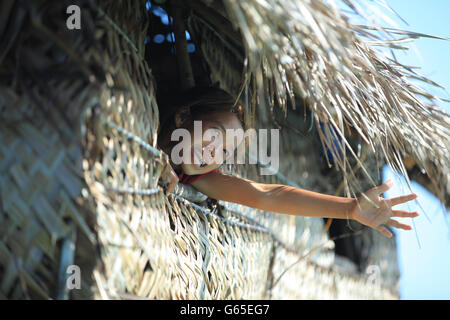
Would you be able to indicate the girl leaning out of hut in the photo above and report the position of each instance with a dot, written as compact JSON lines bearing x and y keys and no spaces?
{"x":214,"y":108}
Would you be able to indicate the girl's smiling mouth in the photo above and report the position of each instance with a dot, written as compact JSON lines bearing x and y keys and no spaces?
{"x":197,"y":157}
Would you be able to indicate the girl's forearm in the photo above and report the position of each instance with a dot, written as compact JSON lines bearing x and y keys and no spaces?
{"x":300,"y":202}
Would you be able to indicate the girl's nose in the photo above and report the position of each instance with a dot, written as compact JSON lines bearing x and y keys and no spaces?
{"x":210,"y":150}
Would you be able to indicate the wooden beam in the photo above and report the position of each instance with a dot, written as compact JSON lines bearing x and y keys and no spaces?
{"x":186,"y":76}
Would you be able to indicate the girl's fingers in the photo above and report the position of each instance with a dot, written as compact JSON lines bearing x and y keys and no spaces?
{"x":404,"y":214}
{"x":170,"y":178}
{"x":384,"y":231}
{"x":170,"y":188}
{"x":398,"y":225}
{"x":385,"y":186}
{"x":402,"y":199}
{"x":173,"y":181}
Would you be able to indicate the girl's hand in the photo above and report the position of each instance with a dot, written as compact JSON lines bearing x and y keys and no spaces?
{"x":170,"y":178}
{"x":366,"y":213}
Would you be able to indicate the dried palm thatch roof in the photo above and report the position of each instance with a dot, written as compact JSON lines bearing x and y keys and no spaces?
{"x":309,"y":49}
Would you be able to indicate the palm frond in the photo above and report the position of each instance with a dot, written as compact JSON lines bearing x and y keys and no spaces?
{"x":310,"y":49}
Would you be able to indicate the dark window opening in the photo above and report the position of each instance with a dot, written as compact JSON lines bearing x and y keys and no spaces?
{"x":161,"y":54}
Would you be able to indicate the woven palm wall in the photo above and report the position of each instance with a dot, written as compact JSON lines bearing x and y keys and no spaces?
{"x":79,"y":172}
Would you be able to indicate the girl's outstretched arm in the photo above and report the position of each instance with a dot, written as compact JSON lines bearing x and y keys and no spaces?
{"x":295,"y":201}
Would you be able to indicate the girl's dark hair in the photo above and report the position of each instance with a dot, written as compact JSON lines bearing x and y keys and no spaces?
{"x":200,"y":101}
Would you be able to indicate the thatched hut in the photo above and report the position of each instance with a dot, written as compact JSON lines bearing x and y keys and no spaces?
{"x":79,"y":163}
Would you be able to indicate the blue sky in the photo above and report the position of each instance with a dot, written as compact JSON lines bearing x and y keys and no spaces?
{"x":425,"y":268}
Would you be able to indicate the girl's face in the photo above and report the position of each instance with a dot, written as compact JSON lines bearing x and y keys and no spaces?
{"x":203,"y":149}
